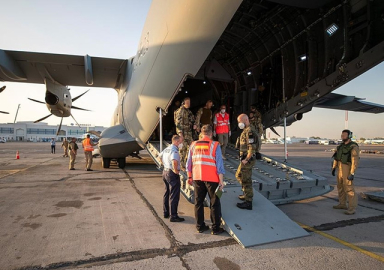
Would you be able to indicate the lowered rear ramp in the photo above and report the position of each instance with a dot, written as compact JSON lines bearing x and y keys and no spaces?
{"x":274,"y":183}
{"x":264,"y":224}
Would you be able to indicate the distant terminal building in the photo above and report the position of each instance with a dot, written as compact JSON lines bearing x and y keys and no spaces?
{"x":39,"y":132}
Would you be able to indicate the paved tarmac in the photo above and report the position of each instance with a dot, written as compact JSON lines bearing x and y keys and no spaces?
{"x":53,"y":218}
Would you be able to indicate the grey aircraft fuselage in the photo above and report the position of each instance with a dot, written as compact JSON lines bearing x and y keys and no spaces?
{"x":180,"y":39}
{"x":176,"y":40}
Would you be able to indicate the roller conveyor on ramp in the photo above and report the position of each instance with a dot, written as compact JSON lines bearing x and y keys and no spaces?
{"x":274,"y":183}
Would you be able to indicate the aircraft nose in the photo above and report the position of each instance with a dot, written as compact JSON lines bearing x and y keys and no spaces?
{"x":51,"y":98}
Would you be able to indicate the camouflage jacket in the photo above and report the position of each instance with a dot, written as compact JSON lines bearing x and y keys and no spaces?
{"x":248,"y":141}
{"x":256,"y":122}
{"x":184,"y":120}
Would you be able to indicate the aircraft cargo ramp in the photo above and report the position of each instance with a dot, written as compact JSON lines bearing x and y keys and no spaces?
{"x":276,"y":183}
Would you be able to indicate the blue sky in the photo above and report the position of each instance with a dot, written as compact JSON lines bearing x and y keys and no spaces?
{"x":113,"y":29}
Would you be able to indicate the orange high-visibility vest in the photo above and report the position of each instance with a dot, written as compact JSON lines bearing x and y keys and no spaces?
{"x":87,"y":144}
{"x":222,"y":123}
{"x":204,"y":160}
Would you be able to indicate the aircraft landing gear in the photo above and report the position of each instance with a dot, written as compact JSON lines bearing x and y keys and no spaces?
{"x":121,"y":163}
{"x":106,"y":163}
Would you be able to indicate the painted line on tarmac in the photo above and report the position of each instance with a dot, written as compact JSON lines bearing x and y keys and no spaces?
{"x":342,"y":242}
{"x":30,"y":167}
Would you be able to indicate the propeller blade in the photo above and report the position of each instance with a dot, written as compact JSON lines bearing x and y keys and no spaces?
{"x":274,"y":131}
{"x":94,"y":132}
{"x":75,"y":121}
{"x":79,"y":96}
{"x":77,"y":108}
{"x":57,"y":133}
{"x":4,"y":112}
{"x":36,"y":100}
{"x":41,"y":119}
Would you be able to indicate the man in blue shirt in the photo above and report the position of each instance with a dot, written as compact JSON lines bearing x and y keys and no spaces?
{"x":170,"y":158}
{"x":206,"y":169}
{"x":53,"y":146}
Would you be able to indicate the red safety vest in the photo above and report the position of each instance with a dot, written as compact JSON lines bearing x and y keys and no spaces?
{"x":87,"y":144}
{"x":204,"y":160}
{"x":222,"y":123}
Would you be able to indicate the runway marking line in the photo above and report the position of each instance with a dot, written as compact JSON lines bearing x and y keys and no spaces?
{"x":24,"y":169}
{"x":342,"y":242}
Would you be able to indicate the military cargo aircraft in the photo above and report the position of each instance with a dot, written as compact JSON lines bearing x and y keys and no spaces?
{"x":285,"y":56}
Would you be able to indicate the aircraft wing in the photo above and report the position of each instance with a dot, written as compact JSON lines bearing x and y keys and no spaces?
{"x":32,"y":67}
{"x":348,"y":103}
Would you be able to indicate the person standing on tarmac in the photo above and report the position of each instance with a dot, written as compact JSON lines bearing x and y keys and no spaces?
{"x":206,"y":169}
{"x":204,"y":116}
{"x":88,"y":148}
{"x":170,"y":159}
{"x":184,"y":121}
{"x":72,"y":153}
{"x":53,"y":146}
{"x":247,"y":143}
{"x":64,"y":145}
{"x":346,"y":160}
{"x":222,"y":129}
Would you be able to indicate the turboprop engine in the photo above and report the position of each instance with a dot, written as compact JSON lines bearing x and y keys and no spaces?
{"x":58,"y":101}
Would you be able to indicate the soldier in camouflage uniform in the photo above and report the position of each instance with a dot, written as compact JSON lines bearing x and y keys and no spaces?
{"x":247,"y":143}
{"x":184,"y":121}
{"x":256,"y":121}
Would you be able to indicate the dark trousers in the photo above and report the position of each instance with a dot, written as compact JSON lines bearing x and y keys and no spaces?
{"x":53,"y":149}
{"x":201,"y":190}
{"x":172,"y":192}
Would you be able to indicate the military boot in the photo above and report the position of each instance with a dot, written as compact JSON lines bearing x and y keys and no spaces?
{"x":340,"y":206}
{"x":245,"y":205}
{"x":350,"y":212}
{"x":242,"y":197}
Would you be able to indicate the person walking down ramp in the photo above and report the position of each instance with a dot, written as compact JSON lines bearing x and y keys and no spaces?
{"x":206,"y":170}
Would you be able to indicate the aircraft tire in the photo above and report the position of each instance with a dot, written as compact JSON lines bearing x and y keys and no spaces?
{"x":121,"y":163}
{"x":106,"y":163}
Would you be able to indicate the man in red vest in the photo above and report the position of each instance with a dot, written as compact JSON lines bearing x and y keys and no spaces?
{"x":206,"y":169}
{"x":88,"y":148}
{"x":222,"y":128}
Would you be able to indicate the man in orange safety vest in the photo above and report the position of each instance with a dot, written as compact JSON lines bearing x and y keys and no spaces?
{"x":206,"y":170}
{"x":88,"y":148}
{"x":222,"y":128}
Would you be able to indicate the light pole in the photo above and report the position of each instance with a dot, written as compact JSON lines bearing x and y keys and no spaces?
{"x":285,"y":116}
{"x":18,"y":107}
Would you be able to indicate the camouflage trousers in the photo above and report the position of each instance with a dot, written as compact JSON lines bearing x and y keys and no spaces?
{"x":244,"y":176}
{"x":259,"y":144}
{"x":184,"y":151}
